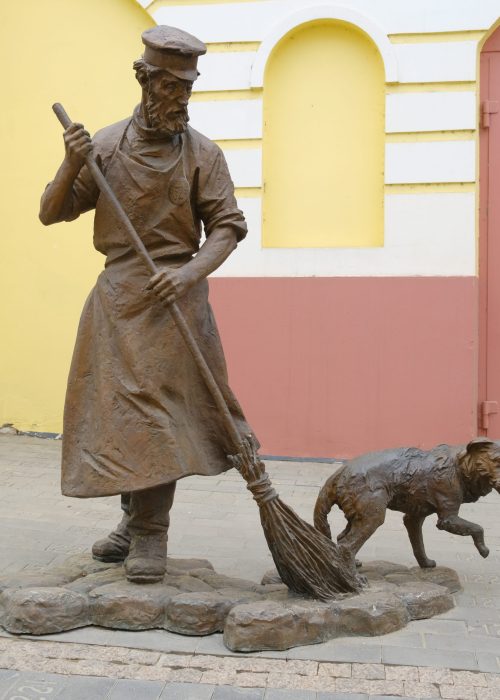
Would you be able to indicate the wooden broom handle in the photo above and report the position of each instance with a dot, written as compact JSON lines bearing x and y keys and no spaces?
{"x":176,"y":313}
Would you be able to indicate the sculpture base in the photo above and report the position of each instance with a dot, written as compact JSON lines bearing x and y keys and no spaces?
{"x":196,"y":600}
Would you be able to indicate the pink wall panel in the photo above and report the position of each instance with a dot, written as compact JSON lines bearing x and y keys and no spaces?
{"x":332,"y":367}
{"x":489,"y":234}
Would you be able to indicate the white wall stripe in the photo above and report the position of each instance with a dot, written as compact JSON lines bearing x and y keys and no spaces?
{"x":430,"y":111}
{"x":421,"y":230}
{"x":228,"y":119}
{"x":434,"y":63}
{"x":245,"y":166}
{"x":437,"y":161}
{"x":225,"y":71}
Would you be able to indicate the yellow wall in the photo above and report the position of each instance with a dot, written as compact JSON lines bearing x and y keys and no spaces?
{"x":323,"y":149}
{"x":78,"y":52}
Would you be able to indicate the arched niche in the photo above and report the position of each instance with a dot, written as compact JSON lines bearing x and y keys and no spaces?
{"x":323,"y":138}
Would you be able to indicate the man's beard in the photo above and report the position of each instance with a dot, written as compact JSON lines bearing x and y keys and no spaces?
{"x":164,"y":117}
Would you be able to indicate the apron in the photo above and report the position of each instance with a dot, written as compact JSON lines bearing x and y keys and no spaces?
{"x":137,"y":412}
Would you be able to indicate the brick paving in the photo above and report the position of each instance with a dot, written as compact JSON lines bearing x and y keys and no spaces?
{"x":114,"y":670}
{"x":455,"y":655}
{"x":51,"y":662}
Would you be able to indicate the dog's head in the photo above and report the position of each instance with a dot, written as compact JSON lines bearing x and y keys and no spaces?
{"x":484,"y":460}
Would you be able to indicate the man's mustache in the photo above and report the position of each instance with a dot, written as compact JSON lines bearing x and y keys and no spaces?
{"x":165,"y":107}
{"x":165,"y":116}
{"x":170,"y":112}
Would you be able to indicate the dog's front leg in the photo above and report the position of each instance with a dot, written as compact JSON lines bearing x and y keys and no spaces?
{"x":413,"y":524}
{"x":458,"y":526}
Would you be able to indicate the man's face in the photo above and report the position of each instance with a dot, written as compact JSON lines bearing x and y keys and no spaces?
{"x":166,"y":103}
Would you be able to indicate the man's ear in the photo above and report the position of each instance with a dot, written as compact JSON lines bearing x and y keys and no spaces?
{"x":478,"y":444}
{"x":142,"y":79}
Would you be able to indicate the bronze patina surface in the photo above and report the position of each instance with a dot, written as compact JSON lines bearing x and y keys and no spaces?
{"x":138,"y":415}
{"x":195,"y":600}
{"x":415,"y":482}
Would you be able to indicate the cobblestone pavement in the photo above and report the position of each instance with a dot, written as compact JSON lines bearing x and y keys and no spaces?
{"x":108,"y":671}
{"x":455,"y":655}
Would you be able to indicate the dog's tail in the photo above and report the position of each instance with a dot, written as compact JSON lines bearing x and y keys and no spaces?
{"x":327,"y":498}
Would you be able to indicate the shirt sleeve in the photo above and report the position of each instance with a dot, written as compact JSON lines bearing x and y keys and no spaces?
{"x":215,"y":202}
{"x":85,"y":193}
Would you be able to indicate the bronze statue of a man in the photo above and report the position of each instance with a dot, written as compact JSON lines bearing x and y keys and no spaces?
{"x":138,"y":415}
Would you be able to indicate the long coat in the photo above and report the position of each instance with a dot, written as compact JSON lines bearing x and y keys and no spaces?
{"x":137,"y":412}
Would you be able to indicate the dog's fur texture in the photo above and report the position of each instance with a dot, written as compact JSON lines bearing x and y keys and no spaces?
{"x":416,"y":483}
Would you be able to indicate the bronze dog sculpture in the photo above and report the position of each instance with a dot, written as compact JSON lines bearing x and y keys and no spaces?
{"x":415,"y":482}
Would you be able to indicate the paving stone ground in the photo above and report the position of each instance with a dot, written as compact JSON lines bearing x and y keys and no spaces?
{"x":216,"y":518}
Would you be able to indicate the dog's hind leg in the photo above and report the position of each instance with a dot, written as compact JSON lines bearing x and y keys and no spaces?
{"x":413,"y":524}
{"x":369,"y":516}
{"x":327,"y":498}
{"x":344,"y":532}
{"x":342,"y":535}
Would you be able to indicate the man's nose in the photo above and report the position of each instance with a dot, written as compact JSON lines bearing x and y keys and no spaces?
{"x":183,"y":99}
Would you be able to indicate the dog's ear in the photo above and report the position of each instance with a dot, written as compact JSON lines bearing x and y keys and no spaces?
{"x":478,"y":444}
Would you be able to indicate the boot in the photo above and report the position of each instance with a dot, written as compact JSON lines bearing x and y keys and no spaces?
{"x":115,"y":546}
{"x":147,"y":559}
{"x":148,"y":528}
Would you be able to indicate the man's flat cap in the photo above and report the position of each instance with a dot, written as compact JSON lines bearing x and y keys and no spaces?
{"x":174,"y":50}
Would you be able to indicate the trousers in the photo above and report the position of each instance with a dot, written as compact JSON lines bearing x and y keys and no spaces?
{"x":148,"y":510}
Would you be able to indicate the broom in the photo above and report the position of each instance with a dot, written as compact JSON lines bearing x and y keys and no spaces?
{"x":308,"y":562}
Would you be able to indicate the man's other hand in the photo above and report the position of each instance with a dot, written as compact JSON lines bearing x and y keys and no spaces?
{"x":170,"y":284}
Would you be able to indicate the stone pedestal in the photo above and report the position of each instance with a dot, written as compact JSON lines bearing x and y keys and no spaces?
{"x":196,"y":600}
